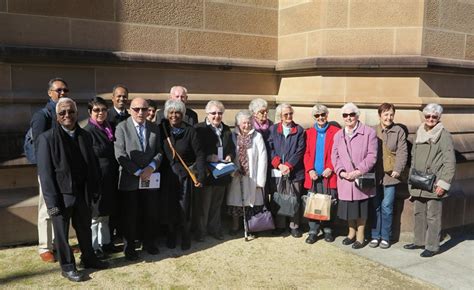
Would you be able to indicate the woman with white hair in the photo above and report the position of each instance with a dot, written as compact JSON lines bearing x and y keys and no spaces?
{"x":432,"y":155}
{"x":246,"y":188}
{"x":179,"y":138}
{"x":216,"y":141}
{"x":354,"y":154}
{"x":287,"y":140}
{"x":318,"y":168}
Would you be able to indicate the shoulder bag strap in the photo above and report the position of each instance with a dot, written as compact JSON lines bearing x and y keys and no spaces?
{"x":176,"y":154}
{"x":347,"y":148}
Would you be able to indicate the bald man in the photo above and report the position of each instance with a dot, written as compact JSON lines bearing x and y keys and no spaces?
{"x":179,"y":93}
{"x":138,"y":151}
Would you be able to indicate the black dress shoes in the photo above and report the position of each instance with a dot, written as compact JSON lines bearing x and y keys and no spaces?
{"x":152,"y":250}
{"x":348,"y":241}
{"x":100,"y":254}
{"x":358,"y":245}
{"x":413,"y":247}
{"x":427,"y":254}
{"x":73,"y":275}
{"x":185,"y":243}
{"x":296,"y":233}
{"x":111,"y":248}
{"x":311,"y":239}
{"x":328,"y":237}
{"x":171,"y":241}
{"x":131,"y":255}
{"x":95,"y":264}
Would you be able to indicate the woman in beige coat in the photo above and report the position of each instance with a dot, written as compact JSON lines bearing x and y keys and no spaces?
{"x":432,"y":153}
{"x":246,"y":188}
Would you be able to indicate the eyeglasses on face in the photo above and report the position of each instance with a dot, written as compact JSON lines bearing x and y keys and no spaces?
{"x":216,"y":113}
{"x":98,"y":110}
{"x":64,"y":112}
{"x":345,"y":115}
{"x":263,"y":112}
{"x":61,"y":90}
{"x":320,"y":115}
{"x":288,"y":114}
{"x":434,"y":117}
{"x":136,"y":110}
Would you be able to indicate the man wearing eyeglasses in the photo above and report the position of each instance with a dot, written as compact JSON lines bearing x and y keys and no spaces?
{"x":42,"y":121}
{"x":118,"y":112}
{"x":69,"y":176}
{"x":138,"y":151}
{"x":179,"y":93}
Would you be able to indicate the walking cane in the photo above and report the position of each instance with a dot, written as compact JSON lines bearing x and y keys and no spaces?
{"x":243,"y":208}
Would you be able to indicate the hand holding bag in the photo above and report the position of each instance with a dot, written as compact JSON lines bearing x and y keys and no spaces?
{"x":286,"y":202}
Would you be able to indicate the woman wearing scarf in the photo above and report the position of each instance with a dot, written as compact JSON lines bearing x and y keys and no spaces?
{"x":261,"y":124}
{"x":287,"y":140}
{"x":432,"y":153}
{"x":248,"y":182}
{"x":319,"y":171}
{"x":178,"y":187}
{"x":103,"y":144}
{"x":216,"y":141}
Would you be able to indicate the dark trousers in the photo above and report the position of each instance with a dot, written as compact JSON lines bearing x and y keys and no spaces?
{"x":210,"y":200}
{"x":139,"y":207}
{"x":81,"y":221}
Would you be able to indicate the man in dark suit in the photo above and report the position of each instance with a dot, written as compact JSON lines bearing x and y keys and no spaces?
{"x":179,"y":93}
{"x":42,"y":121}
{"x":138,"y":151}
{"x":118,"y":112}
{"x":68,"y":172}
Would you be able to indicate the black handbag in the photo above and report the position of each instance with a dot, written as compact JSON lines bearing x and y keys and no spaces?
{"x":366,"y":181}
{"x":285,"y":203}
{"x":421,"y":180}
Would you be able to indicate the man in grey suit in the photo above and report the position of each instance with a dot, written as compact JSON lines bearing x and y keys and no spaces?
{"x":138,"y":151}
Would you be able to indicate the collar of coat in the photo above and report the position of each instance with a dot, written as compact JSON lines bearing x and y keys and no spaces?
{"x":293,"y":129}
{"x":423,"y":136}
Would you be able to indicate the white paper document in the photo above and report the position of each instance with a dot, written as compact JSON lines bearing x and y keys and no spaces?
{"x":152,"y":183}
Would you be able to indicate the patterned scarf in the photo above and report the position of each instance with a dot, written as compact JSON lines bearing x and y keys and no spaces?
{"x":105,"y":127}
{"x":243,"y":143}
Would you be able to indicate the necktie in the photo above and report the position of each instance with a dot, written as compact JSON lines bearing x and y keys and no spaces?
{"x":141,"y":138}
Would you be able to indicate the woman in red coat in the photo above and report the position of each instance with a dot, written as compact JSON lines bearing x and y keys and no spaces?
{"x":319,"y":171}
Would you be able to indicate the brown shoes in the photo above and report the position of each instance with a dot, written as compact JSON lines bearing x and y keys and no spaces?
{"x":48,"y":257}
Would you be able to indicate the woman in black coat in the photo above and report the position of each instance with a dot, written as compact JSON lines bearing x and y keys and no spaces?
{"x":216,"y":140}
{"x":103,"y":145}
{"x":179,"y":138}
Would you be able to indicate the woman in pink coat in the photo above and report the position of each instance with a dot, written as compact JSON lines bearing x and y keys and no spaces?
{"x":354,"y":153}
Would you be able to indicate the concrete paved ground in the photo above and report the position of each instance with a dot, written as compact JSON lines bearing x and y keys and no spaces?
{"x":452,"y":268}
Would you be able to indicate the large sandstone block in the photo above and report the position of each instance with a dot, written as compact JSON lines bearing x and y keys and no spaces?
{"x":123,"y":37}
{"x":18,"y":177}
{"x":292,"y":46}
{"x":314,"y":45}
{"x":334,"y":13}
{"x":161,"y":12}
{"x":34,"y":30}
{"x":300,"y":18}
{"x":386,"y":13}
{"x":90,"y":9}
{"x":408,"y":41}
{"x":443,"y":44}
{"x":288,"y":3}
{"x":358,"y":42}
{"x":432,"y":11}
{"x":456,"y":15}
{"x":227,"y":45}
{"x":446,"y":85}
{"x":229,"y":17}
{"x":251,"y":3}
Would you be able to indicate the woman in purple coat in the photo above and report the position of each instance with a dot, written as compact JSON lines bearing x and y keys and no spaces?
{"x":354,"y":153}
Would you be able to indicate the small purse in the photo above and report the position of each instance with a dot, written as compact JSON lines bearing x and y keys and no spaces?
{"x":421,"y":180}
{"x":286,"y":203}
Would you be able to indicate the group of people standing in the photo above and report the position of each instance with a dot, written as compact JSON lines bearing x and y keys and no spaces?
{"x":94,"y":176}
